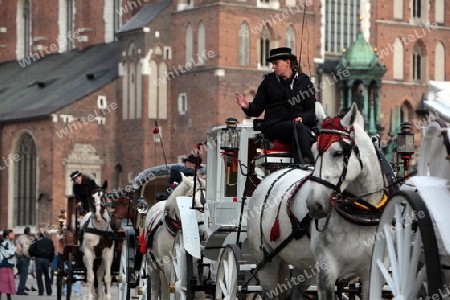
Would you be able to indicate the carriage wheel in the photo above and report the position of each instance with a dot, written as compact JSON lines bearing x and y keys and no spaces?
{"x":182,"y":272}
{"x":124,"y":289}
{"x":229,"y":276}
{"x":69,"y":276}
{"x":405,"y":236}
{"x":59,"y":277}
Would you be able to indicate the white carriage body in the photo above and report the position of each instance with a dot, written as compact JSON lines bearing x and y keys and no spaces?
{"x":226,"y":184}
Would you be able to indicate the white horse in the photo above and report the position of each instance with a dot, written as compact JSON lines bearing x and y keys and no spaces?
{"x":346,"y":160}
{"x":162,"y":222}
{"x":277,"y":200}
{"x":97,"y":242}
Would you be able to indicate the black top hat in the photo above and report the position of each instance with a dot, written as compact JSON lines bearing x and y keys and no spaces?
{"x":193,"y":159}
{"x":281,"y":53}
{"x":74,"y":175}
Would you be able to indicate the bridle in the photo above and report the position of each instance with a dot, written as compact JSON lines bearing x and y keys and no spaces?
{"x":332,"y":131}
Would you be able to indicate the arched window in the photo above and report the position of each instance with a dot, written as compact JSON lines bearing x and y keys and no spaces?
{"x":25,"y":182}
{"x":244,"y":44}
{"x":155,"y":81}
{"x":189,"y":43}
{"x":264,"y":46}
{"x":419,"y":10}
{"x":162,"y":93}
{"x":398,"y":59}
{"x":418,"y":63}
{"x":290,"y":38}
{"x":132,"y":90}
{"x":201,"y":43}
{"x":23,"y":29}
{"x":439,"y":62}
{"x":131,"y":85}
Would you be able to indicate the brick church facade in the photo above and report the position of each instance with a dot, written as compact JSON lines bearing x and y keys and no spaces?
{"x":84,"y":83}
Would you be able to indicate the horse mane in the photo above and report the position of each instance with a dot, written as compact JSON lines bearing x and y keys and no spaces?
{"x":185,"y":188}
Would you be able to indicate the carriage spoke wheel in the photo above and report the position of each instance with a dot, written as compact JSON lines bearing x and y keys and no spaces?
{"x":181,"y":273}
{"x":229,"y":275}
{"x":124,"y":289}
{"x":405,"y":255}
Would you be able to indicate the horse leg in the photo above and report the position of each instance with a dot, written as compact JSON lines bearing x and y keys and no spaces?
{"x":165,"y":293}
{"x":326,"y":277}
{"x":88,"y":260}
{"x":155,"y":281}
{"x":100,"y":275}
{"x":108,"y":256}
{"x":268,"y":278}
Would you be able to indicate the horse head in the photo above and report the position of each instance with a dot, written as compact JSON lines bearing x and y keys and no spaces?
{"x":99,"y":197}
{"x":346,"y":160}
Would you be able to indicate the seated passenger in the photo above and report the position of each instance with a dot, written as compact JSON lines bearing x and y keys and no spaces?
{"x":288,"y":98}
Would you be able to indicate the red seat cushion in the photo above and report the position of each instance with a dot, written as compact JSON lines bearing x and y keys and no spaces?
{"x":277,"y":145}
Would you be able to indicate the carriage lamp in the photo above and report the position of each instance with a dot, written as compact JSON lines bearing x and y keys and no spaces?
{"x":62,"y":217}
{"x":229,"y":137}
{"x":405,"y":144}
{"x":142,"y":206}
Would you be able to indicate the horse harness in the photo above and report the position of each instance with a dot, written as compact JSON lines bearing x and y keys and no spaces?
{"x":351,"y":207}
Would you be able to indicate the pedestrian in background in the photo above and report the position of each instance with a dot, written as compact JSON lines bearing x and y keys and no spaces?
{"x":43,"y":251}
{"x":7,"y":262}
{"x":23,"y":259}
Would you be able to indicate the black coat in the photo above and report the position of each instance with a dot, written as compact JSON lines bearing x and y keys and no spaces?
{"x":42,"y":248}
{"x":83,"y":191}
{"x":281,"y":103}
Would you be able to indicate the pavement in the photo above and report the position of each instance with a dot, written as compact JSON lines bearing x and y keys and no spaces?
{"x":35,"y":295}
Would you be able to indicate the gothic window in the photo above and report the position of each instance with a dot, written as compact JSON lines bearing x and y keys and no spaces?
{"x":417,"y":8}
{"x":189,"y":43}
{"x":25,"y":182}
{"x":439,"y":62}
{"x":155,"y":81}
{"x":244,"y":40}
{"x":201,"y":43}
{"x":117,"y":16}
{"x":417,"y":64}
{"x":290,"y":38}
{"x":182,"y":103}
{"x":398,"y":59}
{"x":131,"y":86}
{"x":162,"y":92}
{"x":342,"y":24}
{"x":420,"y":10}
{"x":264,"y":46}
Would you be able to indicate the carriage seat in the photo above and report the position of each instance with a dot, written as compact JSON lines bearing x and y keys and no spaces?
{"x":269,"y":146}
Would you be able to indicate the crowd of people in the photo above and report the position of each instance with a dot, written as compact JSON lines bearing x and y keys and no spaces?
{"x":30,"y":255}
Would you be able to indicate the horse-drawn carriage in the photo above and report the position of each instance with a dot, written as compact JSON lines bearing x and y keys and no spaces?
{"x":323,"y":220}
{"x":115,"y":235}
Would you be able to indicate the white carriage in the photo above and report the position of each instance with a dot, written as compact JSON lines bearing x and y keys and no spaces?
{"x":411,"y":251}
